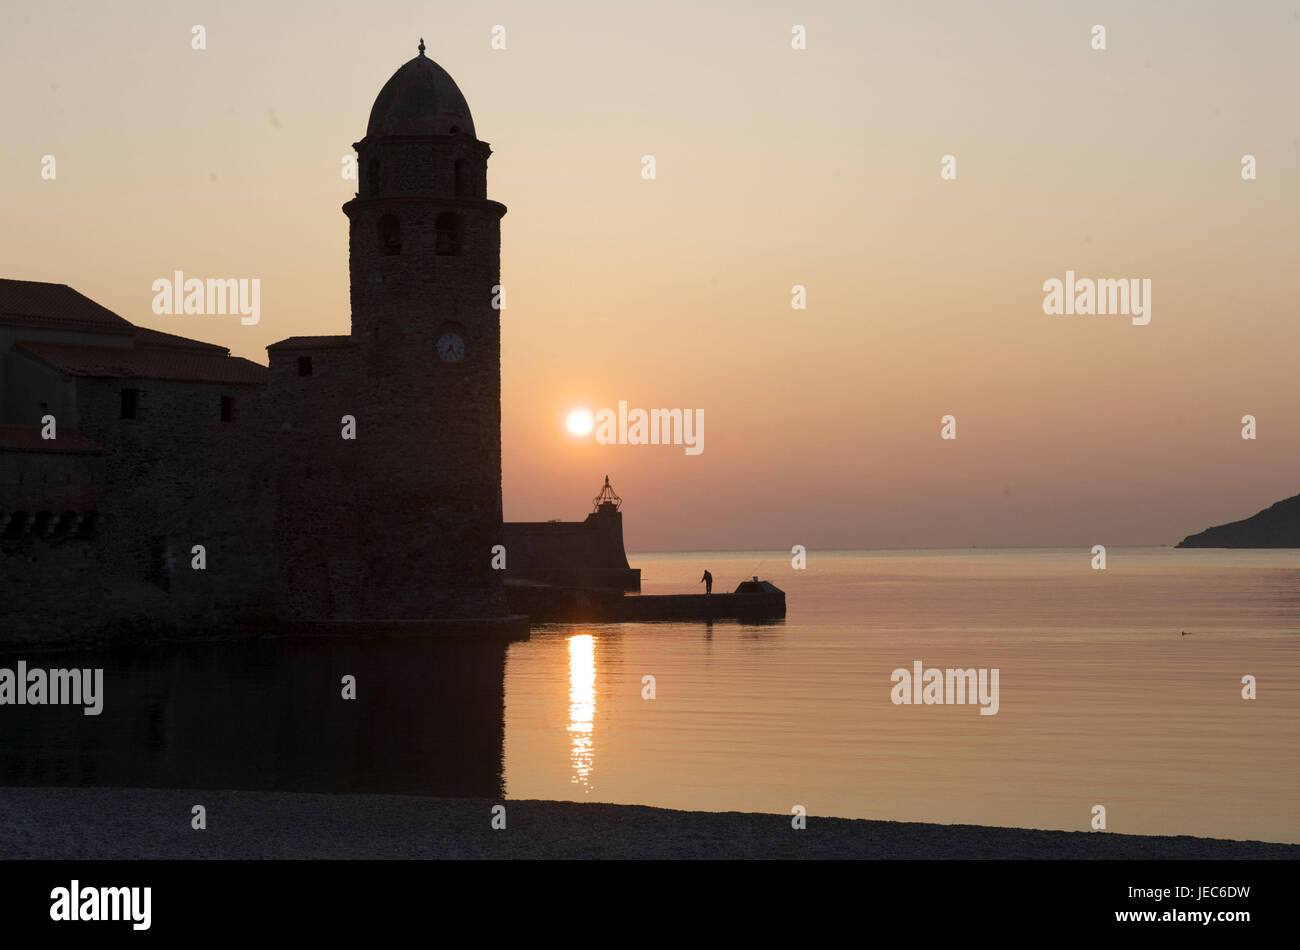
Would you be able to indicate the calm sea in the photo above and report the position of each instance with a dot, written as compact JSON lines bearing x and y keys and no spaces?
{"x":1102,"y":699}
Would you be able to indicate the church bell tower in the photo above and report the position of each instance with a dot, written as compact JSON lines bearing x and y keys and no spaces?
{"x":424,"y":262}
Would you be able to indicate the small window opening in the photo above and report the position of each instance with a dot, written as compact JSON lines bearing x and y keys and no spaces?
{"x":130,"y":403}
{"x":447,"y":235}
{"x":227,"y":408}
{"x":87,"y":525}
{"x":304,"y":366}
{"x":390,"y":235}
{"x":17,"y":524}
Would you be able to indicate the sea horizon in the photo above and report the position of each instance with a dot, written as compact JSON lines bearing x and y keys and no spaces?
{"x":1155,"y":638}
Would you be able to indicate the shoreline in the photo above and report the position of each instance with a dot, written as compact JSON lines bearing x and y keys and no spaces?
{"x":50,"y":823}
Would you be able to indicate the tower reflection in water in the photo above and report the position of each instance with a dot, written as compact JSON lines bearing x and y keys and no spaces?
{"x":428,"y":718}
{"x":582,"y":707}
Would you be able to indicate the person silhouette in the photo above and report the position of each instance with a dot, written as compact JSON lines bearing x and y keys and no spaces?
{"x":707,"y":581}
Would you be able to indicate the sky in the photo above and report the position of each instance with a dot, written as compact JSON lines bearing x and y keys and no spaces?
{"x":775,"y":167}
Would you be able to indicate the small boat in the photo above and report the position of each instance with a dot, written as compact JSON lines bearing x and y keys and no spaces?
{"x":755,"y":586}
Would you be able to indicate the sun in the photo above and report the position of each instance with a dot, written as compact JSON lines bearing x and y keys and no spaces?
{"x":579,"y":422}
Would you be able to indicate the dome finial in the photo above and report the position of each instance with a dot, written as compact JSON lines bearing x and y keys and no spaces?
{"x":422,"y":46}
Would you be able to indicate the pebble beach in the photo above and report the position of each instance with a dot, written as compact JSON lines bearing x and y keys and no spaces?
{"x":138,"y":823}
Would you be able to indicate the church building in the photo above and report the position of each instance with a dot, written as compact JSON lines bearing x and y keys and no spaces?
{"x":355,"y":481}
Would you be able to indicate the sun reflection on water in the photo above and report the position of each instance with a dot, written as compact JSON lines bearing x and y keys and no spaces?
{"x":582,"y":706}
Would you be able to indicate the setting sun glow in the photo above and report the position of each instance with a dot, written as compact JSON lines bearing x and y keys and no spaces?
{"x":579,"y":422}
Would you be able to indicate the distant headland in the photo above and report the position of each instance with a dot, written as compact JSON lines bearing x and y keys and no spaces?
{"x":1277,"y":526}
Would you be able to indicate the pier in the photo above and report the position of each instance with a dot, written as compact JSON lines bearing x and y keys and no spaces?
{"x":752,"y":600}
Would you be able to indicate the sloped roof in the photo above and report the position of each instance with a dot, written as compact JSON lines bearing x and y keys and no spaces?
{"x":57,"y":306}
{"x":312,"y":342}
{"x":187,"y":364}
{"x":144,"y":337}
{"x":28,"y":438}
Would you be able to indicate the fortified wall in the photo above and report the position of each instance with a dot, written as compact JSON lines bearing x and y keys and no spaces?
{"x":586,"y":553}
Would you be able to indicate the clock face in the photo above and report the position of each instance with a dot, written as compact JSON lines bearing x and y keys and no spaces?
{"x":451,"y":348}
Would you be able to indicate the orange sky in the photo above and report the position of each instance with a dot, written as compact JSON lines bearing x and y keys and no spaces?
{"x":775,"y":167}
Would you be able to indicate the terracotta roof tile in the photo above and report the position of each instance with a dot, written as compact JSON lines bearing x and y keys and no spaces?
{"x":168,"y":363}
{"x":312,"y":342}
{"x":32,"y":303}
{"x":144,"y":337}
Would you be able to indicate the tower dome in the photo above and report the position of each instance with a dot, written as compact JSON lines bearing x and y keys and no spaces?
{"x":421,"y":98}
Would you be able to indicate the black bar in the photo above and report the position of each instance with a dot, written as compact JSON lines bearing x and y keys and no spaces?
{"x":568,"y":900}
